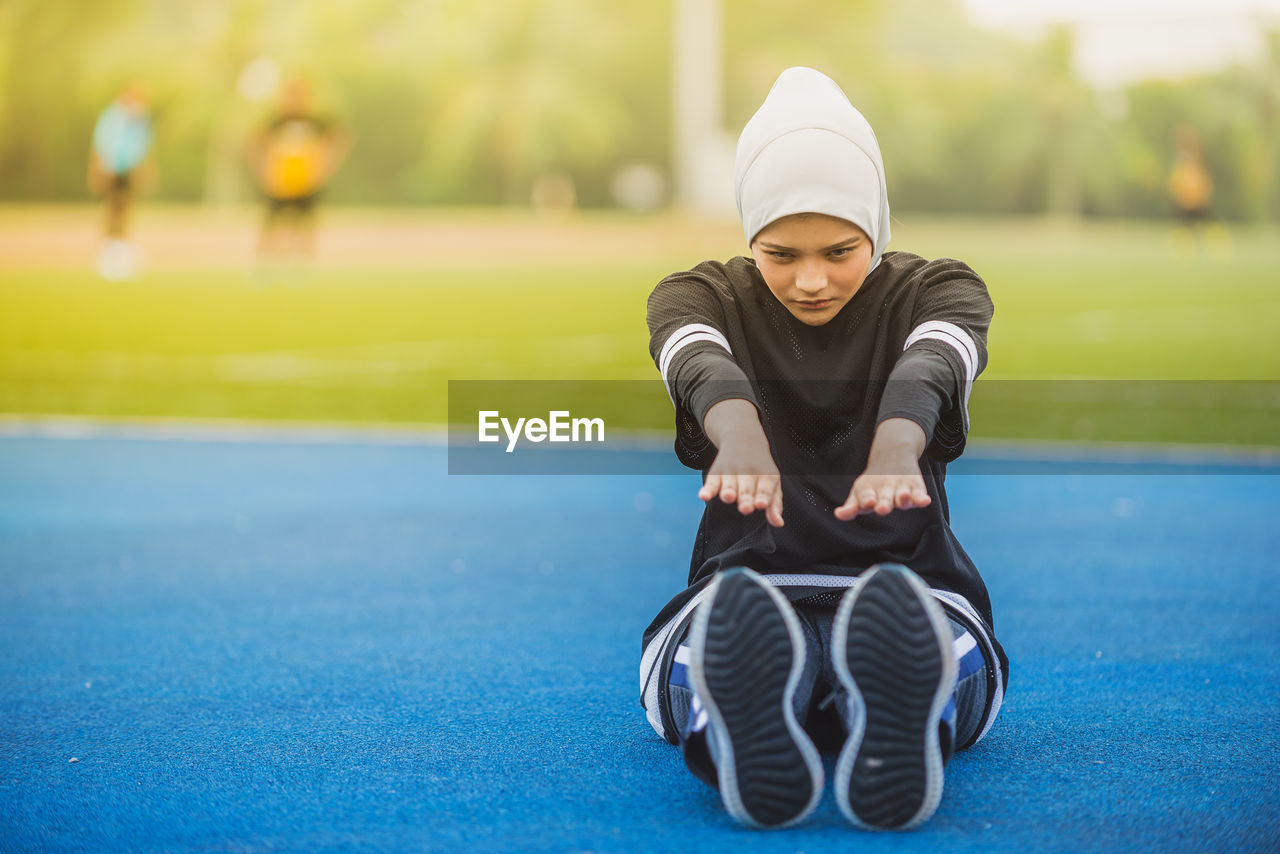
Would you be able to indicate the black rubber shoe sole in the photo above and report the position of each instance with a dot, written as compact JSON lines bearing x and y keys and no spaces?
{"x":747,"y":656}
{"x":893,"y":655}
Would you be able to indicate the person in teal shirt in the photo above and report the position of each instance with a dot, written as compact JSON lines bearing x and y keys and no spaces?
{"x":120,"y":163}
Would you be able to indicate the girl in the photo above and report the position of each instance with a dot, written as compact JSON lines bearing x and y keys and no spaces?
{"x":821,"y":386}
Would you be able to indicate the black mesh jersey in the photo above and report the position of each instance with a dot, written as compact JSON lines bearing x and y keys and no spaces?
{"x":908,"y":344}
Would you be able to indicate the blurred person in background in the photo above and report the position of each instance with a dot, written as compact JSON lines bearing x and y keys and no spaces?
{"x":292,"y":158}
{"x":1191,"y":192}
{"x":120,"y":165}
{"x":1190,"y":185}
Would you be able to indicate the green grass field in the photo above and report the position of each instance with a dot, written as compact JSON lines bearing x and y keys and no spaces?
{"x":1102,"y":331}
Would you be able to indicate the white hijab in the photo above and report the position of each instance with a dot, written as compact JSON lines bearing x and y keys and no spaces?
{"x":807,"y":150}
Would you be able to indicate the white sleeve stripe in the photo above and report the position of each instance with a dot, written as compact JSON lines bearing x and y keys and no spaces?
{"x":673,"y":341}
{"x":955,"y":345}
{"x":962,"y":343}
{"x":968,"y":369}
{"x":685,"y":336}
{"x":684,"y":342}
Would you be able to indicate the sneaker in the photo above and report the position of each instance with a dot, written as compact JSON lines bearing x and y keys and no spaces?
{"x":747,"y":656}
{"x":117,"y":260}
{"x":893,"y":656}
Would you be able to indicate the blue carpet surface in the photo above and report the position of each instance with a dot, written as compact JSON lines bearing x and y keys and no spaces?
{"x":282,"y":646}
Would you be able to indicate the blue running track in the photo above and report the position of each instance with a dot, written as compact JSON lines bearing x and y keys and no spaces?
{"x":305,"y":646}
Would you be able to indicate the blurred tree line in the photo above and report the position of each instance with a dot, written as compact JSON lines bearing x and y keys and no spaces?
{"x":469,"y":101}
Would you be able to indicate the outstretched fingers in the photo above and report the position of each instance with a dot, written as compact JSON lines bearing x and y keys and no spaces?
{"x":913,"y":495}
{"x":763,"y":494}
{"x":774,"y":513}
{"x":729,"y":488}
{"x":862,"y":499}
{"x":768,"y":497}
{"x":710,"y":487}
{"x":750,"y":492}
{"x":882,"y":494}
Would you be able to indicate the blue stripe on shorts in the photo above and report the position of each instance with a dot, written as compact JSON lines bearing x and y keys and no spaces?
{"x":969,"y":658}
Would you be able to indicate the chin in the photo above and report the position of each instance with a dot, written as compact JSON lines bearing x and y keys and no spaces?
{"x":815,"y":320}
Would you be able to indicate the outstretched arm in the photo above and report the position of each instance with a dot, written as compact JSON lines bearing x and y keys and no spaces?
{"x":892,"y":478}
{"x":927,"y":396}
{"x":716,"y":412}
{"x":743,"y":471}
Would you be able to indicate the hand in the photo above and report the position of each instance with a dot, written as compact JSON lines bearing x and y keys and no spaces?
{"x":892,"y":479}
{"x":749,"y":479}
{"x":743,"y":472}
{"x":883,"y":493}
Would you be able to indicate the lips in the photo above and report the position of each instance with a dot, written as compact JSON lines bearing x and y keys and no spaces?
{"x":814,"y":305}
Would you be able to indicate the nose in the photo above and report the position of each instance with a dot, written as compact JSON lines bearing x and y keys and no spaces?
{"x":811,"y":277}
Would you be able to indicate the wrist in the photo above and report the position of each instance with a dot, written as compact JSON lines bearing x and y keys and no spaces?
{"x":733,"y":422}
{"x":898,"y":439}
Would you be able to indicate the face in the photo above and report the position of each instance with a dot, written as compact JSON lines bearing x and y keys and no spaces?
{"x":296,"y":96}
{"x":134,"y":98}
{"x":813,"y":263}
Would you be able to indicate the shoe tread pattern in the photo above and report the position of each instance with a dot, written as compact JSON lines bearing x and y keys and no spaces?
{"x":894,"y":658}
{"x":747,"y":664}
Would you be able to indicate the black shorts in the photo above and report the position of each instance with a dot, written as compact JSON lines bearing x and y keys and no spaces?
{"x":299,"y":205}
{"x":1193,"y":216}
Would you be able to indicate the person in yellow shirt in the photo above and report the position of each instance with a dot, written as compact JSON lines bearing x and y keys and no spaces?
{"x":1190,"y":185}
{"x":293,"y":157}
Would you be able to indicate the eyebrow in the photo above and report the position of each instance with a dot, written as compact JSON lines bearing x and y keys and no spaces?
{"x":843,"y":244}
